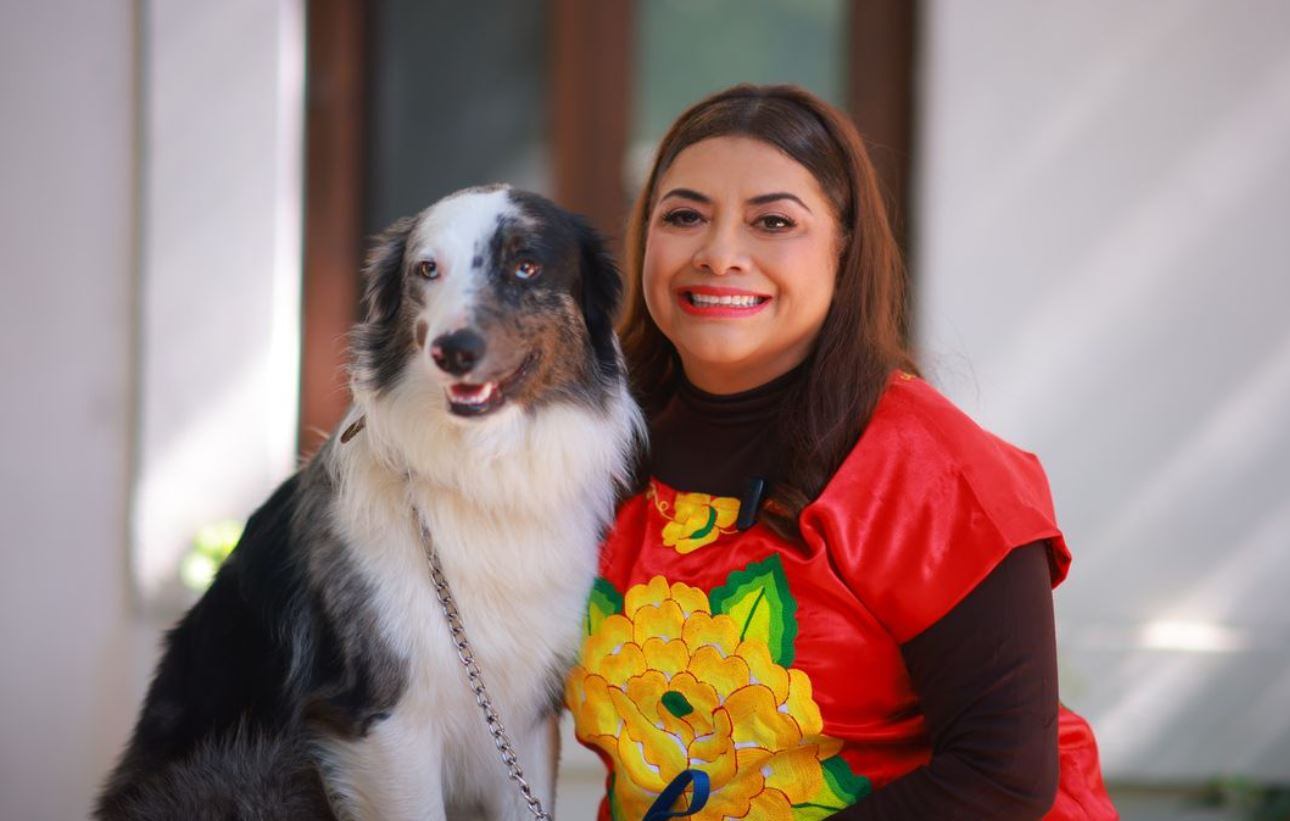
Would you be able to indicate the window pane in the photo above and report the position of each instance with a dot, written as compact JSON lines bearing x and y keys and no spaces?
{"x":458,"y":98}
{"x":689,"y":48}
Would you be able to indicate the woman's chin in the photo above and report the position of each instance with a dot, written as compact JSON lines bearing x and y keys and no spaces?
{"x":720,"y":342}
{"x":726,"y":371}
{"x":720,"y":357}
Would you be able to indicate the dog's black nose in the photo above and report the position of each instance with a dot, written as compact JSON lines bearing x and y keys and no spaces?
{"x":458,"y":352}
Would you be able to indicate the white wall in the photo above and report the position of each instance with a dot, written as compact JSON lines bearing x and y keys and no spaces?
{"x":67,"y":689}
{"x":1104,"y":267}
{"x":150,"y":243}
{"x":222,"y":109}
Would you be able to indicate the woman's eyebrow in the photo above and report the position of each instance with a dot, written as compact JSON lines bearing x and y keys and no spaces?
{"x":762,"y":199}
{"x":686,"y":194}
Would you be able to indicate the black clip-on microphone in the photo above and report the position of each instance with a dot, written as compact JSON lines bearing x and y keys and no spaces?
{"x":750,"y":501}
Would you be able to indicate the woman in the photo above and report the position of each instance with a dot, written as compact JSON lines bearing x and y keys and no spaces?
{"x":831,"y":595}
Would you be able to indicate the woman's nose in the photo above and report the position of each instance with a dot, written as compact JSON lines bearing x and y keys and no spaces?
{"x":721,"y":252}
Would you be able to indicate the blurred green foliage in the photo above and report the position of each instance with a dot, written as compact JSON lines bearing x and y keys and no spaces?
{"x":210,"y":547}
{"x":1249,"y":799}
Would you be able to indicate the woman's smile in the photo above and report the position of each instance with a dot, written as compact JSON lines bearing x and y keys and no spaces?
{"x":720,"y":303}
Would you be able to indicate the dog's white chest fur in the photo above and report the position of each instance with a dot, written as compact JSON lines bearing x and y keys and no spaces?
{"x":517,"y":537}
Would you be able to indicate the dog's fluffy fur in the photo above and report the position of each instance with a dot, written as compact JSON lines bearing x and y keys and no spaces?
{"x":316,"y":675}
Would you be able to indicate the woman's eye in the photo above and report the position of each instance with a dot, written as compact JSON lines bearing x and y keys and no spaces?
{"x":682,"y":217}
{"x":527,"y":270}
{"x":428,"y":269}
{"x":774,"y":222}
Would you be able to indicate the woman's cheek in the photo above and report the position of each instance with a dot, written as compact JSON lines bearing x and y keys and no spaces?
{"x":655,"y":290}
{"x":664,"y":256}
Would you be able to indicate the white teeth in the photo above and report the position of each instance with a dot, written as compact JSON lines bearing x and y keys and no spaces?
{"x":707,"y":301}
{"x":472,"y":394}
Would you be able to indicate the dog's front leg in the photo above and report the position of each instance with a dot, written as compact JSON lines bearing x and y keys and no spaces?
{"x":538,"y":749}
{"x":394,"y":773}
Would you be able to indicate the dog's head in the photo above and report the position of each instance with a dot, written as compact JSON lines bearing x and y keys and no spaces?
{"x":498,"y":296}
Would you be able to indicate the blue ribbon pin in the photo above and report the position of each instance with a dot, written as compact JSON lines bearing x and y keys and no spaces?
{"x":662,"y":805}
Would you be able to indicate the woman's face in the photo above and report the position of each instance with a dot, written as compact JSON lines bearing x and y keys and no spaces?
{"x":740,"y":260}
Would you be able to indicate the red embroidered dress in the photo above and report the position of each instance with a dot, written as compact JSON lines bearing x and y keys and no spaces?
{"x":777,"y":670}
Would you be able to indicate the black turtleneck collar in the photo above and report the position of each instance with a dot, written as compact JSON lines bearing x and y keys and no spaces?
{"x":713,"y":443}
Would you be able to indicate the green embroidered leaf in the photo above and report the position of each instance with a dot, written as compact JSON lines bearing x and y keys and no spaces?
{"x":843,"y":783}
{"x":759,"y":601}
{"x":841,"y":789}
{"x":809,"y":811}
{"x":615,"y":811}
{"x":603,"y":602}
{"x":707,"y":528}
{"x":676,"y":704}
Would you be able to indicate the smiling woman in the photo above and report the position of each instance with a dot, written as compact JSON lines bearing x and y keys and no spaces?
{"x":739,"y":262}
{"x":831,"y":595}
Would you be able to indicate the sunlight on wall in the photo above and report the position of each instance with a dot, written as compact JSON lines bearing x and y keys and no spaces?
{"x":222,"y":128}
{"x":1191,"y":636}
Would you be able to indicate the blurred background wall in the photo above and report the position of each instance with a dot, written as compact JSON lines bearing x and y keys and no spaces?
{"x":67,"y":236}
{"x":1103,"y":270}
{"x":1092,"y":196}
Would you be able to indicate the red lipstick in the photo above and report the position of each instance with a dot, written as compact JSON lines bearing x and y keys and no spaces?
{"x":716,"y":302}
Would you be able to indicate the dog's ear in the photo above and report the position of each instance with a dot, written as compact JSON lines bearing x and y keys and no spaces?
{"x":601,"y":292}
{"x":383,"y":273}
{"x":379,"y":344}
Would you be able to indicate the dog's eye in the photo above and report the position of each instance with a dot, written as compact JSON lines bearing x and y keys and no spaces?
{"x":527,"y":270}
{"x":428,"y":269}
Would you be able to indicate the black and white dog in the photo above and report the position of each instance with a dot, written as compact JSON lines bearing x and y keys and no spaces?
{"x":316,"y":677}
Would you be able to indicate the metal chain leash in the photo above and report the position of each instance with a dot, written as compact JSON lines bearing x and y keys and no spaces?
{"x":467,"y":656}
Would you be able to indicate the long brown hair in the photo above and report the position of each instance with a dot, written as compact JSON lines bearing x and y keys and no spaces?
{"x":862,"y":339}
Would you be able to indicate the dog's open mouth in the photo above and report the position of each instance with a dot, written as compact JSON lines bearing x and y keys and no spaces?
{"x":481,"y":398}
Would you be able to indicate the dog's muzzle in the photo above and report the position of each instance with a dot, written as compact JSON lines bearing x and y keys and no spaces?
{"x":458,"y":352}
{"x":475,"y":392}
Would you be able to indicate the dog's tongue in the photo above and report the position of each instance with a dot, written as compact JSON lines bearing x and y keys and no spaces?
{"x":466,"y":394}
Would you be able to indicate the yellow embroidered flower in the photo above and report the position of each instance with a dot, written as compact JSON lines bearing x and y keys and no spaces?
{"x":666,"y":685}
{"x":698,"y":520}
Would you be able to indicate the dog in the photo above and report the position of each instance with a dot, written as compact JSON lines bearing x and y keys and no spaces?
{"x":491,"y":423}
